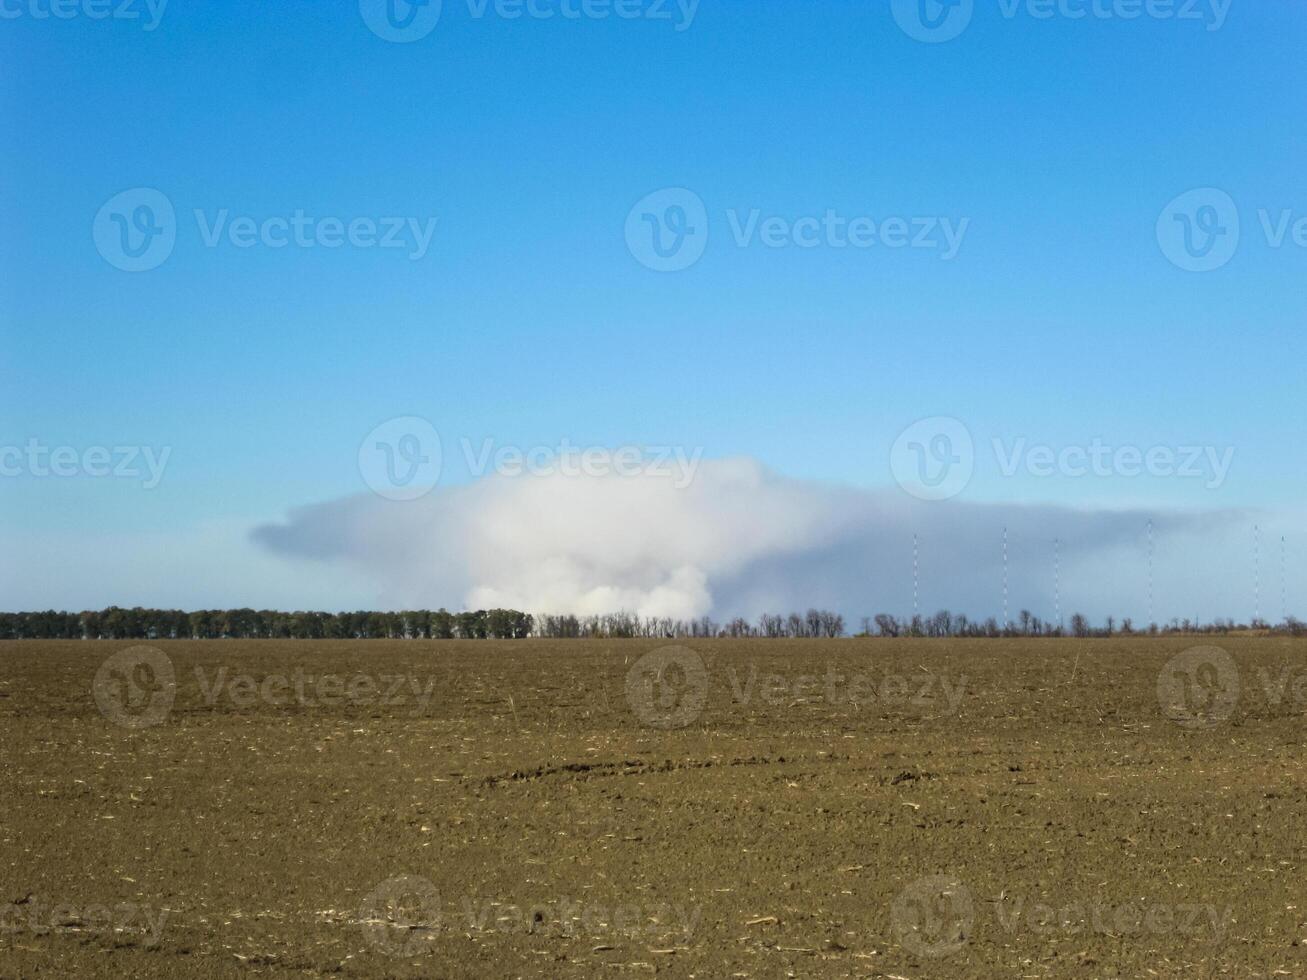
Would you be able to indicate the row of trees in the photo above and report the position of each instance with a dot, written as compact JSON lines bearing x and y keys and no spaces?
{"x":814,"y":623}
{"x":116,"y":623}
{"x":946,"y":624}
{"x":621,"y":625}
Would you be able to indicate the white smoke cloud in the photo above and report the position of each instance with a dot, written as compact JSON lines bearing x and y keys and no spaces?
{"x":582,"y":543}
{"x":739,"y":540}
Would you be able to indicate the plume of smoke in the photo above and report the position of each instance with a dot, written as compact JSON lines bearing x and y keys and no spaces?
{"x":738,"y":540}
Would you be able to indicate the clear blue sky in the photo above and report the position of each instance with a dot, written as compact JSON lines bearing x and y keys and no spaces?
{"x":529,"y":321}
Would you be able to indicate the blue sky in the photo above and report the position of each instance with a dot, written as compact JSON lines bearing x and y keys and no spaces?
{"x":529,"y":321}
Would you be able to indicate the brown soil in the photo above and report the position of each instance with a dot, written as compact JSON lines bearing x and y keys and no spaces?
{"x":965,"y":808}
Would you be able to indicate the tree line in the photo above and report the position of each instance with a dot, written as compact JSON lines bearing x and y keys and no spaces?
{"x":137,"y":623}
{"x":946,"y":624}
{"x":118,"y":623}
{"x":813,"y":623}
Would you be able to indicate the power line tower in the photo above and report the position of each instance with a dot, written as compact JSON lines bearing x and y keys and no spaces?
{"x":1257,"y":574}
{"x":1006,"y":620}
{"x":1152,"y":621}
{"x":1057,"y":582}
{"x":916,"y":580}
